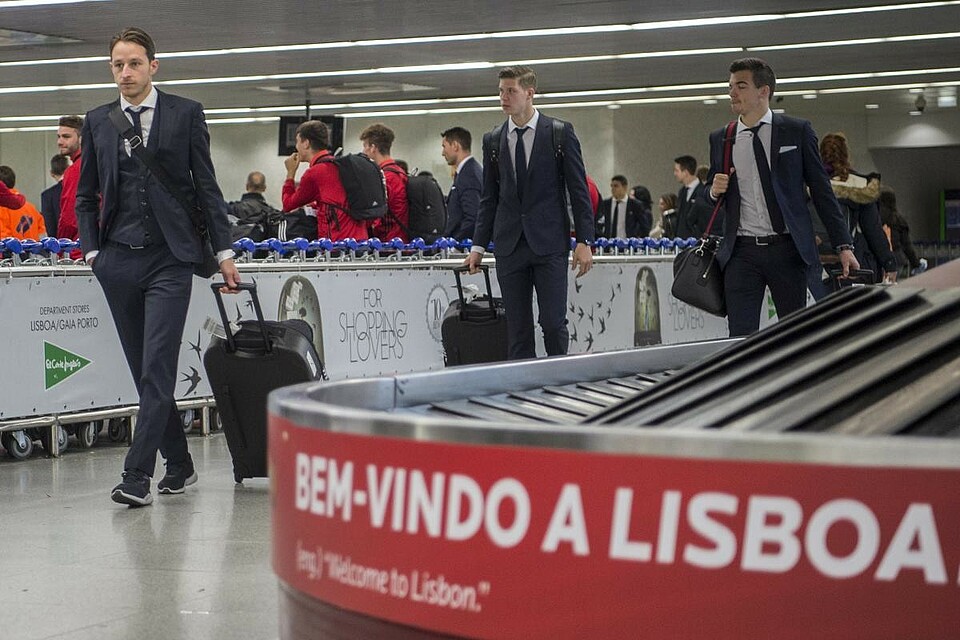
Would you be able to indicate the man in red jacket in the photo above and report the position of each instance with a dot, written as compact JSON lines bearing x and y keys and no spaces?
{"x":377,"y":140}
{"x":68,"y":144}
{"x":320,"y":185}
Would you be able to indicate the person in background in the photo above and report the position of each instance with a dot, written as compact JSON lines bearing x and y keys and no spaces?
{"x":24,"y":222}
{"x":68,"y":143}
{"x":703,"y":172}
{"x":668,"y":215}
{"x":377,"y":140}
{"x":858,"y":195}
{"x":50,"y":197}
{"x":621,"y":215}
{"x":899,"y":233}
{"x":463,"y":201}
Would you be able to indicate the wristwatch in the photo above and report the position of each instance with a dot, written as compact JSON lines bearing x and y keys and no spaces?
{"x":844,"y":247}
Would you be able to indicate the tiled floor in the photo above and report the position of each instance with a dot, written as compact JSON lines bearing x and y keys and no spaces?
{"x":76,"y":565}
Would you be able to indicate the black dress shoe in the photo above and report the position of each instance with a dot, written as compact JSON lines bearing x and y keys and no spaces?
{"x":177,"y":478}
{"x":134,"y":490}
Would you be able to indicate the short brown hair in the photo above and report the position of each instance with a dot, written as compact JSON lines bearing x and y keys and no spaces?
{"x":524,"y":76}
{"x":74,"y":122}
{"x":138,"y":36}
{"x":380,"y":136}
{"x":316,"y":133}
{"x":762,"y":72}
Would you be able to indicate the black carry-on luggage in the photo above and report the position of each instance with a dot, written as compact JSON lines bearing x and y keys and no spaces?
{"x":475,"y":331}
{"x":247,"y":365}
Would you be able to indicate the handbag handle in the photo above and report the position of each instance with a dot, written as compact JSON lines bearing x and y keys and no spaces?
{"x":727,"y":163}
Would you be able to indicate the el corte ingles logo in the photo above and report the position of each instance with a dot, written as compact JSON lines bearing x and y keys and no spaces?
{"x":59,"y":364}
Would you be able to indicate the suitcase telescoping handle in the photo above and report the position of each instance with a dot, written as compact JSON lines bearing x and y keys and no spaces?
{"x":486,"y":276}
{"x":251,"y":287}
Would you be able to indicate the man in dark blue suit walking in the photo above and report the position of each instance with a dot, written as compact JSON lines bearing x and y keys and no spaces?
{"x":523,"y":210}
{"x":143,"y":247}
{"x":768,"y":234}
{"x":463,"y":201}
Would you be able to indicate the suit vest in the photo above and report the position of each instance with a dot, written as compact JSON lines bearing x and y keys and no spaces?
{"x":133,"y":222}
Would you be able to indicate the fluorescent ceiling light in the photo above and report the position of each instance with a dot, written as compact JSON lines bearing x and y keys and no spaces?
{"x":872,"y":106}
{"x":17,"y":4}
{"x":873,"y":9}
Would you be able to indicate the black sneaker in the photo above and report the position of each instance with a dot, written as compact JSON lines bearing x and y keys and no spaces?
{"x":134,"y":490}
{"x":178,"y":477}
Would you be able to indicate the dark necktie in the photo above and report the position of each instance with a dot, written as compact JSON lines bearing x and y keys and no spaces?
{"x":616,"y":219}
{"x":520,"y":161}
{"x":135,"y":114}
{"x":766,"y":181}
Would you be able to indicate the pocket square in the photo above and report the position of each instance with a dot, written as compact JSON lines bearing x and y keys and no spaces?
{"x":789,"y":148}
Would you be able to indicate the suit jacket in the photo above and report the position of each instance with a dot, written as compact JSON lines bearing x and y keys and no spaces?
{"x":463,"y":201}
{"x":181,"y":143}
{"x":693,"y":214}
{"x":794,"y":164}
{"x":50,"y":208}
{"x":542,"y":215}
{"x":638,"y":221}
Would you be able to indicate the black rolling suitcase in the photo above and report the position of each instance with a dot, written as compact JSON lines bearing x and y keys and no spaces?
{"x":476,"y":331}
{"x":247,"y":365}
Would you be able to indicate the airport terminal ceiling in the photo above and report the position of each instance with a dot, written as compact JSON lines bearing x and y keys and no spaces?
{"x":636,"y":50}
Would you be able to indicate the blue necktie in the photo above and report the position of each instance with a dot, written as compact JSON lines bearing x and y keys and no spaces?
{"x":520,"y":161}
{"x":766,"y":181}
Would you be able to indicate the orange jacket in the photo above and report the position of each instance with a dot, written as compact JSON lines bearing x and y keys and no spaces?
{"x":25,"y":223}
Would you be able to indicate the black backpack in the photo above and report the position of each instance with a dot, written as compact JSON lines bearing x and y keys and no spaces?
{"x":425,"y":204}
{"x":558,"y":134}
{"x":365,"y":186}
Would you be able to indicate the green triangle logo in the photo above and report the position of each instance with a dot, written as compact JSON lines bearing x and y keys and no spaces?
{"x":59,"y":364}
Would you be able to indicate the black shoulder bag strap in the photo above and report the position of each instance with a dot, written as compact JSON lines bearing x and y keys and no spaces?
{"x":390,"y":214}
{"x":559,"y":133}
{"x":728,"y":138}
{"x":128,"y":133}
{"x":494,"y":138}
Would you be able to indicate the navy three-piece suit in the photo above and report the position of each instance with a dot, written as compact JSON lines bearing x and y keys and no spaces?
{"x":148,"y":247}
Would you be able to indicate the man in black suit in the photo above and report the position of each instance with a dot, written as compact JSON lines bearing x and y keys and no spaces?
{"x":768,"y":239}
{"x":463,"y":201}
{"x":693,"y":204}
{"x":143,"y":247}
{"x":523,"y":210}
{"x":50,"y":197}
{"x":621,"y":215}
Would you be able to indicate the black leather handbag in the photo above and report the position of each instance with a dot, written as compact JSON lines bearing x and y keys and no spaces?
{"x":697,"y":279}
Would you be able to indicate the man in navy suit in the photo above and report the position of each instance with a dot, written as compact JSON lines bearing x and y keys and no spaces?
{"x":621,"y":215}
{"x":768,"y":239}
{"x":523,"y":210}
{"x":143,"y":247}
{"x":463,"y":201}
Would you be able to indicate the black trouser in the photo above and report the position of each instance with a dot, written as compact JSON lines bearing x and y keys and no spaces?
{"x":519,"y":273}
{"x":774,"y":263}
{"x":148,"y":291}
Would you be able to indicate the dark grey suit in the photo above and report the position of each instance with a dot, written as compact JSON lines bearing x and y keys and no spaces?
{"x":463,"y":201}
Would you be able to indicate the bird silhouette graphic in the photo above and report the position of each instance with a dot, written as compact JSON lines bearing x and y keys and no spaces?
{"x":196,"y":347}
{"x":613,"y":294}
{"x":577,"y":285}
{"x":609,"y":311}
{"x":193,"y":378}
{"x":579,"y":313}
{"x":619,"y":286}
{"x":572,"y":308}
{"x":589,"y":341}
{"x":590,"y":316}
{"x":603,"y":326}
{"x":600,"y":304}
{"x":250,"y":304}
{"x":621,"y":273}
{"x":573,"y":334}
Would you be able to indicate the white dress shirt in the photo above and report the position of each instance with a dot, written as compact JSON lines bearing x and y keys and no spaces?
{"x":621,"y":220}
{"x":528,"y":137}
{"x":754,"y":216}
{"x":146,"y":108}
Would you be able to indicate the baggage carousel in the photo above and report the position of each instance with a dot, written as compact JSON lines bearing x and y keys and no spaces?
{"x":802,"y":482}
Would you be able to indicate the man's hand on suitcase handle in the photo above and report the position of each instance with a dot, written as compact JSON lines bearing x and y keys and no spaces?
{"x":230,"y":276}
{"x":473,"y":261}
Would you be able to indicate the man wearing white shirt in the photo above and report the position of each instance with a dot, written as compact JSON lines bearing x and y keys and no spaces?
{"x":143,"y":247}
{"x":768,"y":234}
{"x":621,"y":215}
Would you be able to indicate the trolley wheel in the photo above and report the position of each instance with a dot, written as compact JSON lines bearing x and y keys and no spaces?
{"x":87,"y":433}
{"x":117,"y":430}
{"x":62,"y":437}
{"x":215,"y":424}
{"x":18,"y":444}
{"x":187,"y":417}
{"x":237,"y":477}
